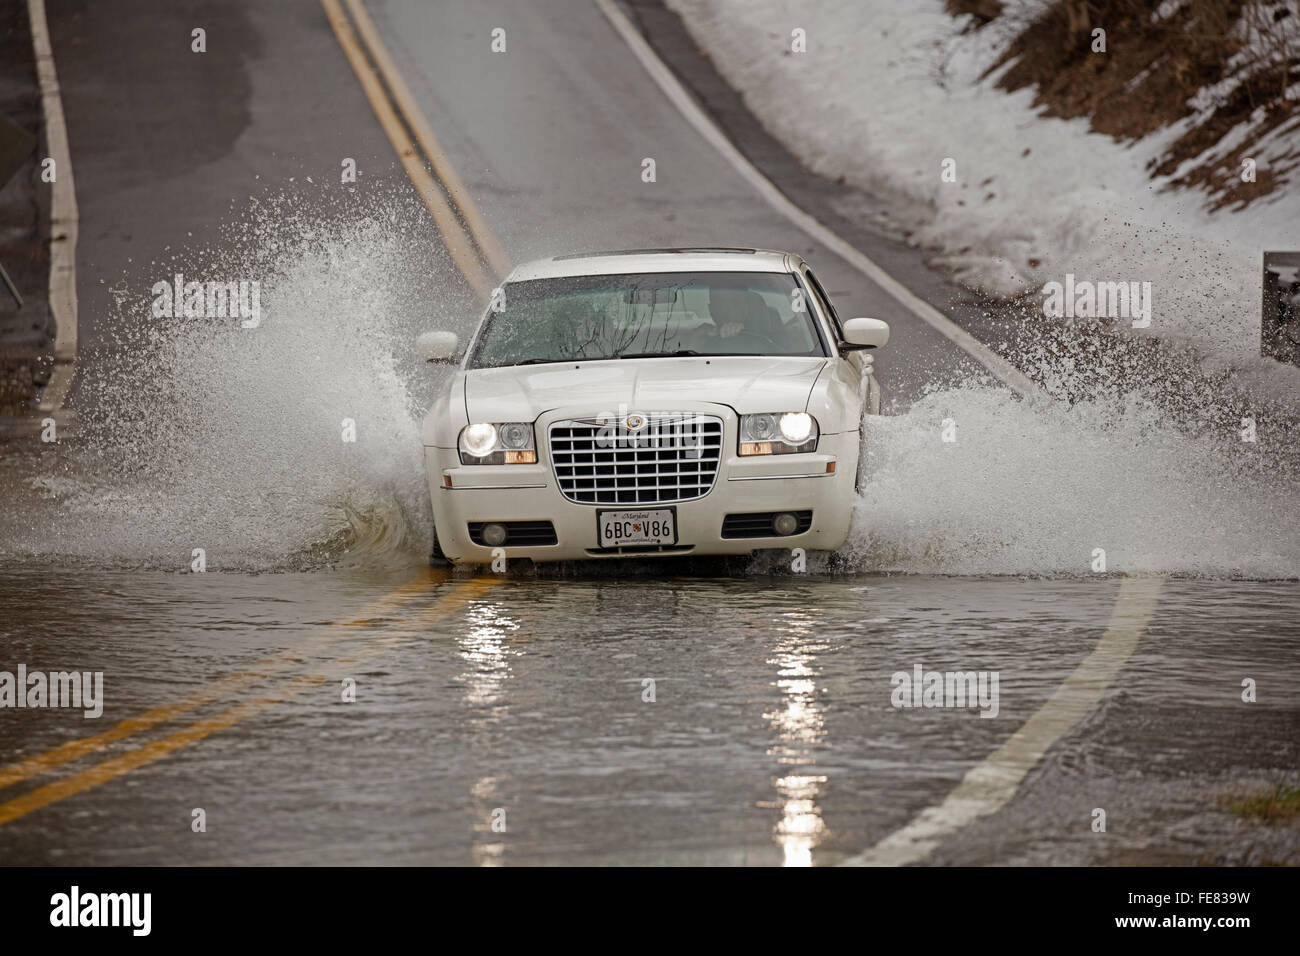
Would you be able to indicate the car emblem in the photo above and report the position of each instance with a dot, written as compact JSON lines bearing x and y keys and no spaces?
{"x":634,"y":422}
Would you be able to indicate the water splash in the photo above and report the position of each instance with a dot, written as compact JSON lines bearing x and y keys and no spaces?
{"x":1034,"y":488}
{"x":198,"y":433}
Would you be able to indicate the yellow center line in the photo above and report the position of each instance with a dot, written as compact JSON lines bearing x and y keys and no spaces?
{"x":338,"y":630}
{"x":156,"y":750}
{"x":419,"y":124}
{"x":457,"y":241}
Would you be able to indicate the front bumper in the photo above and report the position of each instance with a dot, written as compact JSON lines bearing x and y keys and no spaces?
{"x":470,"y":494}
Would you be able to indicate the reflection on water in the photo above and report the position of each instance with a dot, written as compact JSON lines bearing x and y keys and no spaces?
{"x":799,"y":727}
{"x":486,"y":651}
{"x":801,"y":827}
{"x":484,"y":648}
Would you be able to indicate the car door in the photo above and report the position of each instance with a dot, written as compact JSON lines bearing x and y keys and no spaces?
{"x":858,"y":362}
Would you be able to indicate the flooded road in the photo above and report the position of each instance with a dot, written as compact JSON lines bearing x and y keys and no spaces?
{"x":622,"y":719}
{"x":318,"y":695}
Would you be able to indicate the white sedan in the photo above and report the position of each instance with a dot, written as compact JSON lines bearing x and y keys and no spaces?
{"x":650,"y":403}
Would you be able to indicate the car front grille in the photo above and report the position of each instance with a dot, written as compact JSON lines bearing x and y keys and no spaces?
{"x":669,"y":458}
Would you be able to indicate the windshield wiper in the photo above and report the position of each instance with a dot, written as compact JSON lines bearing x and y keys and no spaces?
{"x":678,"y":353}
{"x":603,"y":358}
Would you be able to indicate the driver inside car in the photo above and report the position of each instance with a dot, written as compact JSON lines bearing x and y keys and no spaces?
{"x":744,"y":321}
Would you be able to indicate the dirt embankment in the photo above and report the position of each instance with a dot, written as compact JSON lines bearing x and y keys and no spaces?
{"x":1225,"y":74}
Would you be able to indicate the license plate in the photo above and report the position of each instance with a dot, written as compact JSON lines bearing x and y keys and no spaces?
{"x":616,"y":529}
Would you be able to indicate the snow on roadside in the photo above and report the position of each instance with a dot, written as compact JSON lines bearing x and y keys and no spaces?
{"x":888,"y":90}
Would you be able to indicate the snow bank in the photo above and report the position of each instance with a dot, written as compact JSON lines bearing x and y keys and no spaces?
{"x":888,"y":90}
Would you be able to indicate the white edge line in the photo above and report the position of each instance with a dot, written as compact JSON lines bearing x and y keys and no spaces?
{"x":63,"y":216}
{"x":992,"y":782}
{"x":999,"y":367}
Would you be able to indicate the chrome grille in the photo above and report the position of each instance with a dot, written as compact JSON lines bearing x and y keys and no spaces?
{"x":602,"y":461}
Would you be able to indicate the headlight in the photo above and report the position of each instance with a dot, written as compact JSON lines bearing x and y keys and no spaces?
{"x":796,"y":427}
{"x":510,"y":443}
{"x":478,"y":440}
{"x":778,"y":433}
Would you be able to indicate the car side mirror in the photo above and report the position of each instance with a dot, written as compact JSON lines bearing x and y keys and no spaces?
{"x":866,"y":333}
{"x":437,"y":346}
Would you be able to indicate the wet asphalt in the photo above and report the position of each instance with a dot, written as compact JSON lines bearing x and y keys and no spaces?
{"x":644,"y":719}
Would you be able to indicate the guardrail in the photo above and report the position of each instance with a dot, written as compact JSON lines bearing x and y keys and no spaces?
{"x":1279,"y":327}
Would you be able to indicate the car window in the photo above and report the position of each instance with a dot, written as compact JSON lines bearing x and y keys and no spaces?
{"x":825,"y":301}
{"x":646,"y":315}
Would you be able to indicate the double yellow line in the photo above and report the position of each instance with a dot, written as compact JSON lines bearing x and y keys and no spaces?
{"x":286,"y":690}
{"x":472,"y":244}
{"x":478,"y":255}
{"x":74,"y":750}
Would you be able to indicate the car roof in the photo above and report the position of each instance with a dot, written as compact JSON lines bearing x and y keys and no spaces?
{"x":618,"y":261}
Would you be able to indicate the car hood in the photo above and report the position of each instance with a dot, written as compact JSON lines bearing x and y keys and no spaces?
{"x":748,"y":384}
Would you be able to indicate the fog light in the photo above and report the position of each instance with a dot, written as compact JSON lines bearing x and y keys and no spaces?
{"x":785,"y":524}
{"x":494,"y":535}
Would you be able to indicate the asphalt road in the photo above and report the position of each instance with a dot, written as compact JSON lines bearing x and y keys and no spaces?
{"x":509,"y":719}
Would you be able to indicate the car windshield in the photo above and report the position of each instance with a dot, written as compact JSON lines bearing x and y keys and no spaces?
{"x":647,"y":315}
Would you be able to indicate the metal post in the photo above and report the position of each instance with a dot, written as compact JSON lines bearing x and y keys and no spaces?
{"x":9,"y":284}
